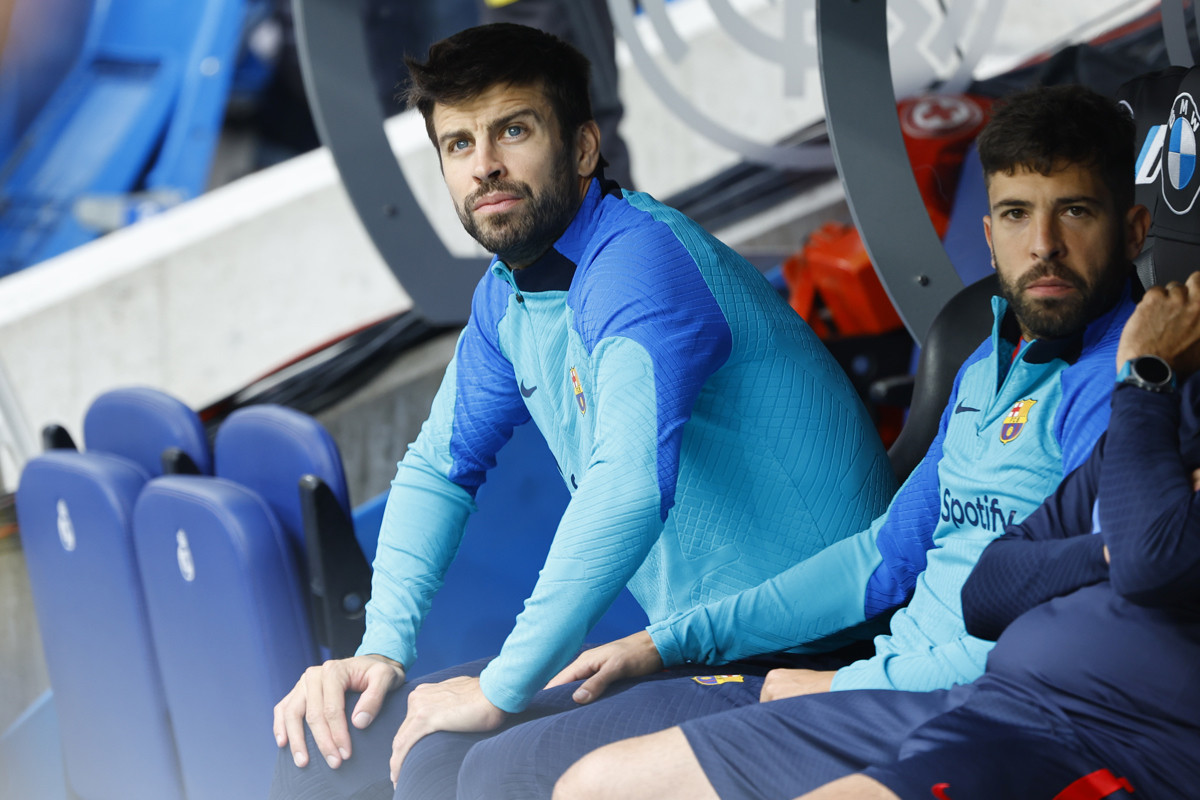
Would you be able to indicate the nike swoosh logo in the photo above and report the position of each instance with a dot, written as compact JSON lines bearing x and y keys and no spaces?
{"x":527,"y":392}
{"x":961,"y":408}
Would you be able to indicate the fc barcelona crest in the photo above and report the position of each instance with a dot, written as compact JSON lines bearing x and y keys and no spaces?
{"x":1014,"y":423}
{"x":578,"y":391}
{"x":1179,"y":180}
{"x":717,"y":680}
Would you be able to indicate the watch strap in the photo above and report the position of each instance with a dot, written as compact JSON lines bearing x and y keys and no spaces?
{"x":1148,"y":372}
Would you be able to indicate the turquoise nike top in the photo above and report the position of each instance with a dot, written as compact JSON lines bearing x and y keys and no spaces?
{"x":708,"y":439}
{"x":1007,"y":437}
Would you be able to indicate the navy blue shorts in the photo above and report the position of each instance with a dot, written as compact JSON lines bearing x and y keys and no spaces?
{"x":962,"y":744}
{"x":534,"y":748}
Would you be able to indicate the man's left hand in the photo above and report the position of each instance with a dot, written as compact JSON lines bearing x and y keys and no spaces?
{"x":630,"y":657}
{"x":1166,"y":323}
{"x":781,"y":683}
{"x":457,"y":704}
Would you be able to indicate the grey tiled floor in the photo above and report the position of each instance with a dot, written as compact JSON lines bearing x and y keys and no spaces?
{"x":22,"y":667}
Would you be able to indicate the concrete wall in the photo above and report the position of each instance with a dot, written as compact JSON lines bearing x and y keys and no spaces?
{"x":197,"y":301}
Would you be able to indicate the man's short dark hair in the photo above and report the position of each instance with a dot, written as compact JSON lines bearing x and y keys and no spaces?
{"x":1046,"y":127}
{"x":470,"y":62}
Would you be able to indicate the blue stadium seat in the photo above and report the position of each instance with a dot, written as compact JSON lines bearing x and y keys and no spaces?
{"x":154,"y":76}
{"x":292,"y":462}
{"x":267,"y":448}
{"x":230,"y":625}
{"x":74,"y":511}
{"x":141,"y":424}
{"x":224,"y":562}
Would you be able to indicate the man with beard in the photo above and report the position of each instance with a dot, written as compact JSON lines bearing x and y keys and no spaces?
{"x":1024,"y":411}
{"x":708,"y":438}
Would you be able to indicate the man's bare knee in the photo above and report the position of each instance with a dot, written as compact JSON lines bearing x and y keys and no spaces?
{"x":658,"y":766}
{"x":852,"y":787}
{"x":585,"y":778}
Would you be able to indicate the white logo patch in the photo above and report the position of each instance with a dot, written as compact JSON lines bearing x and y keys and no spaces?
{"x":66,"y":528}
{"x":183,"y":554}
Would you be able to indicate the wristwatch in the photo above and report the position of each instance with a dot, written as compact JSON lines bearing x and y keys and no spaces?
{"x":1148,"y":372}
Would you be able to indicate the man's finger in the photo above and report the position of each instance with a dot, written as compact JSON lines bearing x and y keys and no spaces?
{"x":277,"y":726}
{"x":379,"y":681}
{"x":774,"y":690}
{"x":333,"y":739}
{"x":411,"y":731}
{"x":320,"y":693}
{"x":768,"y":688}
{"x":595,"y":686}
{"x":298,"y":705}
{"x":293,"y":721}
{"x":368,"y":705}
{"x":575,"y":671}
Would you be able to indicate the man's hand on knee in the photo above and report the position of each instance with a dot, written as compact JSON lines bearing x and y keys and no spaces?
{"x":319,"y":698}
{"x":781,"y":683}
{"x":631,"y":657}
{"x":457,"y":704}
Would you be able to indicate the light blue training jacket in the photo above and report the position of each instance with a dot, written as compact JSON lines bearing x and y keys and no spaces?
{"x":1011,"y":431}
{"x":708,"y":439}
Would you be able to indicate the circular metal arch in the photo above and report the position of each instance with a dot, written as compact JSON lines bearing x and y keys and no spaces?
{"x":860,"y":112}
{"x":337,"y":79}
{"x":1175,"y":33}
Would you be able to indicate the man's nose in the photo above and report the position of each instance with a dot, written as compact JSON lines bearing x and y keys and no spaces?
{"x":488,"y":164}
{"x":1047,"y":243}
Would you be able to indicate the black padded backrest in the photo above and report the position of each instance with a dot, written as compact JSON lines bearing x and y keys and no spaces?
{"x":956,"y":331}
{"x":1167,"y":182}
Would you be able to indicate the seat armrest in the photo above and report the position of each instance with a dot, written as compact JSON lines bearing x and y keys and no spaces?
{"x":339,"y":575}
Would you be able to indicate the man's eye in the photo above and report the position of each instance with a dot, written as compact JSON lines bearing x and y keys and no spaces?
{"x":1014,"y":213}
{"x":513,"y":131}
{"x":459,"y":144}
{"x":1077,"y":211}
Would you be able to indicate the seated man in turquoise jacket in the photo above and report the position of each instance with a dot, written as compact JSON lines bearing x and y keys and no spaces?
{"x":708,"y":439}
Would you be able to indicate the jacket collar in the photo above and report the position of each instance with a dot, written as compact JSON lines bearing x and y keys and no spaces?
{"x":555,"y":269}
{"x":1006,"y":332}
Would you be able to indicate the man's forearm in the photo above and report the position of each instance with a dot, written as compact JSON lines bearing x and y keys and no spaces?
{"x":1014,"y":574}
{"x":813,"y":599}
{"x":1148,"y":511}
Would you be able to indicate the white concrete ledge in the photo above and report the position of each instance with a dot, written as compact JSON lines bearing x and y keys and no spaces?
{"x":197,"y":301}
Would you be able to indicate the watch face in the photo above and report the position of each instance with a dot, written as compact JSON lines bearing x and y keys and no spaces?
{"x":1152,"y":370}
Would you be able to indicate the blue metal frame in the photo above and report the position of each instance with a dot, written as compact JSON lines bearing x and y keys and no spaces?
{"x":141,"y":109}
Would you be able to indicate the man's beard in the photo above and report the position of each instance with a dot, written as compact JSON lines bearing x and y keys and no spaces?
{"x":521,"y":235}
{"x":1056,"y":317}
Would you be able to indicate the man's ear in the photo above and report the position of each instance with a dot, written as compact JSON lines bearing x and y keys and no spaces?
{"x":987,"y":234}
{"x":1137,"y":225}
{"x":587,"y":148}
